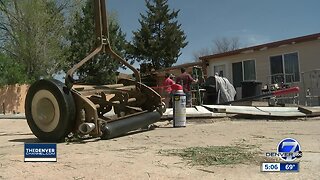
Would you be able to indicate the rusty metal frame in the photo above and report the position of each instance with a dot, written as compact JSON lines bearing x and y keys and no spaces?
{"x":103,"y":44}
{"x":91,"y":114}
{"x":130,"y":98}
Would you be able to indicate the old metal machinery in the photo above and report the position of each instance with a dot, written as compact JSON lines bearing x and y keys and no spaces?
{"x":55,"y":109}
{"x":196,"y":88}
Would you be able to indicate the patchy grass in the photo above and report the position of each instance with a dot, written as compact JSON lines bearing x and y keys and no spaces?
{"x":216,"y":155}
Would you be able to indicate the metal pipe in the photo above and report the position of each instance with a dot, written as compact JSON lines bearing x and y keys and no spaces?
{"x":122,"y":126}
{"x":86,"y":128}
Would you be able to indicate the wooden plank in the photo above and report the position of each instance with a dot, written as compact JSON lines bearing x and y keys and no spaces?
{"x":264,"y":111}
{"x":251,"y":103}
{"x":202,"y":109}
{"x":193,"y":113}
{"x":279,"y":109}
{"x":314,"y":111}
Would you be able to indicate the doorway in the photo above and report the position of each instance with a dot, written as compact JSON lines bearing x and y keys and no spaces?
{"x":220,"y":70}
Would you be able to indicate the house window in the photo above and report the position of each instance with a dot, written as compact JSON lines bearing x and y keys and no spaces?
{"x":249,"y":70}
{"x":243,"y":71}
{"x":237,"y":74}
{"x":284,"y":68}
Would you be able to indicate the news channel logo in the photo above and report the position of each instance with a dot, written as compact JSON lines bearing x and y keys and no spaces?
{"x":289,"y":149}
{"x":40,"y":152}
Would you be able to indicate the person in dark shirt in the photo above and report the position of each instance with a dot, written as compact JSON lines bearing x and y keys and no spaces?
{"x":185,"y":80}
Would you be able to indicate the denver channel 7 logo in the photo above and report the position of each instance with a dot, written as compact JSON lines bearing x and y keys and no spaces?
{"x":288,"y":150}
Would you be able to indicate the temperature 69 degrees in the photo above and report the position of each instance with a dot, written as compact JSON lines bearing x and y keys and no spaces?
{"x":289,"y":167}
{"x":280,"y":167}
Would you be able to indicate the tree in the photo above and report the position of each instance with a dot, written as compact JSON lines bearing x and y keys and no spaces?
{"x":160,"y":38}
{"x":224,"y":44}
{"x":11,"y":72}
{"x":200,"y":53}
{"x":102,"y":68}
{"x":220,"y":45}
{"x":33,"y":31}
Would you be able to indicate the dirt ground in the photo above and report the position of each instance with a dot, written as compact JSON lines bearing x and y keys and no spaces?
{"x":136,"y":156}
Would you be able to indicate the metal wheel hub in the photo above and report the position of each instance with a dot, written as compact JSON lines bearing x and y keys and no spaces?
{"x":45,"y":110}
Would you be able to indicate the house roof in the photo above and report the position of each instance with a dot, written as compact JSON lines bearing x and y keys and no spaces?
{"x":264,"y":46}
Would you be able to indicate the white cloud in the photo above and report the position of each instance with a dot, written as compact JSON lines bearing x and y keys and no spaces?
{"x":253,"y":39}
{"x":247,"y":37}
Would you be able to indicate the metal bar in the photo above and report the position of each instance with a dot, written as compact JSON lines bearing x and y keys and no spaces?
{"x":104,"y":19}
{"x":79,"y":87}
{"x":97,"y":21}
{"x":269,"y":94}
{"x":102,"y":37}
{"x":124,"y":62}
{"x":69,"y":75}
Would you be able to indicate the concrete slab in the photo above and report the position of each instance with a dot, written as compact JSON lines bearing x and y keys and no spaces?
{"x":198,"y":112}
{"x":263,"y":111}
{"x":202,"y":109}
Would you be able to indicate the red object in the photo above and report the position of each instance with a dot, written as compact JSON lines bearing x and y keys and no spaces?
{"x":176,"y":87}
{"x":167,"y":83}
{"x":275,"y":93}
{"x":286,"y":91}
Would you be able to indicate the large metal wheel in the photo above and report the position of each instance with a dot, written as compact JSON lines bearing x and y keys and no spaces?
{"x":50,"y":110}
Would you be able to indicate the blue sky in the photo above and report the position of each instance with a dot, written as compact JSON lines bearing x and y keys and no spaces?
{"x":252,"y":21}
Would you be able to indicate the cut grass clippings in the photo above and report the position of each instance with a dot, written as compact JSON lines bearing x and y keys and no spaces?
{"x":215,"y":155}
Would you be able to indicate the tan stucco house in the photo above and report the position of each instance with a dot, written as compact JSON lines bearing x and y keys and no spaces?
{"x":292,"y":61}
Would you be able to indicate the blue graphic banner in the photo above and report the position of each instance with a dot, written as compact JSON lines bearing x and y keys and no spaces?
{"x":40,"y":152}
{"x":294,"y":166}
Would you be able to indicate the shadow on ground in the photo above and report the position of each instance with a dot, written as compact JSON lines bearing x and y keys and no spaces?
{"x":26,"y":140}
